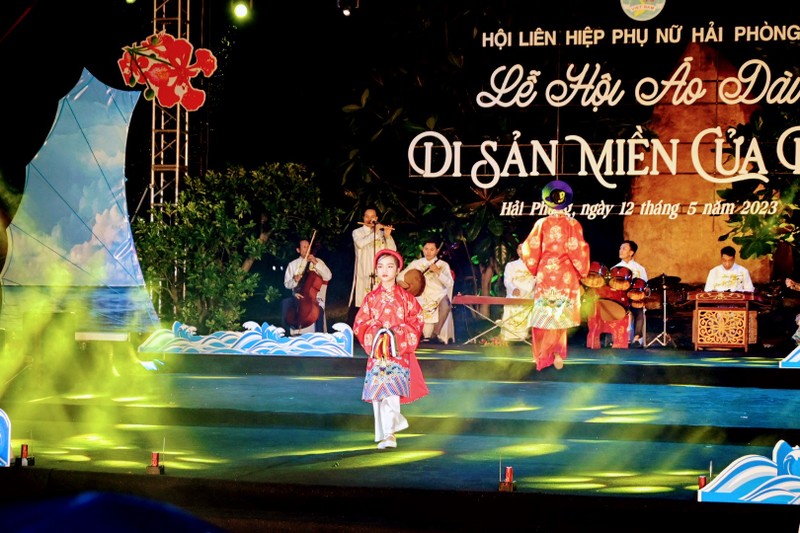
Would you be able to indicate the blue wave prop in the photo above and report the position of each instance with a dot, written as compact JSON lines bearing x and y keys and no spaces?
{"x":757,"y":479}
{"x":792,"y":360}
{"x":5,"y":439}
{"x":255,"y":340}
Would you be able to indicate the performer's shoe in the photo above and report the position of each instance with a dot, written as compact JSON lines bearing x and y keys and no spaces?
{"x":388,"y":442}
{"x":636,"y":343}
{"x":435,"y":340}
{"x":558,"y":362}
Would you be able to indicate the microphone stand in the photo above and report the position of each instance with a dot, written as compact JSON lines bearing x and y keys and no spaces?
{"x":373,"y":277}
{"x":663,"y":338}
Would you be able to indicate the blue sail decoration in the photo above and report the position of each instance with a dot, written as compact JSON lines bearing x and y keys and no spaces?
{"x":71,"y":249}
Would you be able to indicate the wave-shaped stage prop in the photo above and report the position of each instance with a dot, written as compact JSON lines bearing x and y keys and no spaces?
{"x":792,"y":360}
{"x":757,"y":479}
{"x":255,"y":340}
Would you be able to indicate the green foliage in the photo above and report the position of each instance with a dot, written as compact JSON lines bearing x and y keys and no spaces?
{"x":760,"y":231}
{"x":430,"y":86}
{"x":272,"y":294}
{"x":196,"y":253}
{"x":427,"y":88}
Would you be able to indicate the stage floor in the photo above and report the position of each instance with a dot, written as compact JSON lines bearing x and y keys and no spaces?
{"x":624,"y":426}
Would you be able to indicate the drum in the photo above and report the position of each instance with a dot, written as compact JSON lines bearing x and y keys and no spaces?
{"x":620,"y":278}
{"x":638,"y":291}
{"x":675,"y":297}
{"x":597,"y":275}
{"x":654,"y":300}
{"x":415,"y":280}
{"x":611,"y":304}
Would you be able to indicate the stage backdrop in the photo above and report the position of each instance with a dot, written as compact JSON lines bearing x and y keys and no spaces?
{"x":70,"y":244}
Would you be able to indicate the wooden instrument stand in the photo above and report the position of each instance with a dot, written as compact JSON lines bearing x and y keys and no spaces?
{"x":724,"y":320}
{"x":473,"y":301}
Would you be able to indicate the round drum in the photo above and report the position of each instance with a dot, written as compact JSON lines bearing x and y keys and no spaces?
{"x":655,"y":300}
{"x":597,"y":275}
{"x":415,"y":280}
{"x":611,"y":304}
{"x":620,"y":278}
{"x":638,"y":290}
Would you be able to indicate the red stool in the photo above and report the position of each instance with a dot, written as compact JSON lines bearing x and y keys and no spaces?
{"x":610,"y":315}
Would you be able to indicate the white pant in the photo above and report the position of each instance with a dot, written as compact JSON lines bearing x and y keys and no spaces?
{"x":388,"y":419}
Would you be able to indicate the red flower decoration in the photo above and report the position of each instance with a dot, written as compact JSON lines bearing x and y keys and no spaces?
{"x":164,"y":64}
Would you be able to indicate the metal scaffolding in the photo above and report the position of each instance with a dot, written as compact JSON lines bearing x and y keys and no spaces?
{"x":169,"y":148}
{"x":169,"y":144}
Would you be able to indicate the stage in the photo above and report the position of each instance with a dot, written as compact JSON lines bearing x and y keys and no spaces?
{"x":285,"y":443}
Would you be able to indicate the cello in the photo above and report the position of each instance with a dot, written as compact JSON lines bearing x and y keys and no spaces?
{"x":305,"y":309}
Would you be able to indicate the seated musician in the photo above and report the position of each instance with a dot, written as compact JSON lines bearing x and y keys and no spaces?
{"x":519,"y":283}
{"x":291,"y":279}
{"x":627,"y":250}
{"x":436,"y":296}
{"x":729,"y":276}
{"x":792,"y":284}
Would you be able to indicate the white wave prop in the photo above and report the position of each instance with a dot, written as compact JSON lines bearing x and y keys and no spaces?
{"x":757,"y":479}
{"x":255,"y":340}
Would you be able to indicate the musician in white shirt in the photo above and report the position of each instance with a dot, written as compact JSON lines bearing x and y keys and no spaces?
{"x":729,"y":276}
{"x":627,"y":250}
{"x":292,"y":277}
{"x":519,"y":283}
{"x":368,"y":239}
{"x":435,"y":297}
{"x":792,"y":284}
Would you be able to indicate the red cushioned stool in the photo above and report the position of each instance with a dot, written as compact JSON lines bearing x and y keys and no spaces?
{"x":608,"y":316}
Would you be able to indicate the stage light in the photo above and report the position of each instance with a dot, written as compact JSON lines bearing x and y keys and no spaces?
{"x":241,"y":8}
{"x":347,"y":6}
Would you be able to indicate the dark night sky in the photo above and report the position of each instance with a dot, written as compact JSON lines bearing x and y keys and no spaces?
{"x":273,"y":95}
{"x":284,"y":76}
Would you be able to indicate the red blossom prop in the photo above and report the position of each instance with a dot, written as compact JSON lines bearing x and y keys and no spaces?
{"x":164,"y":64}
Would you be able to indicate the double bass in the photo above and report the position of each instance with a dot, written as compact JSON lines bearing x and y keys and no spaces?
{"x":305,"y":309}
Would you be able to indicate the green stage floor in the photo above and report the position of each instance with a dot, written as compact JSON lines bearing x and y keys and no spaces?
{"x":620,"y":424}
